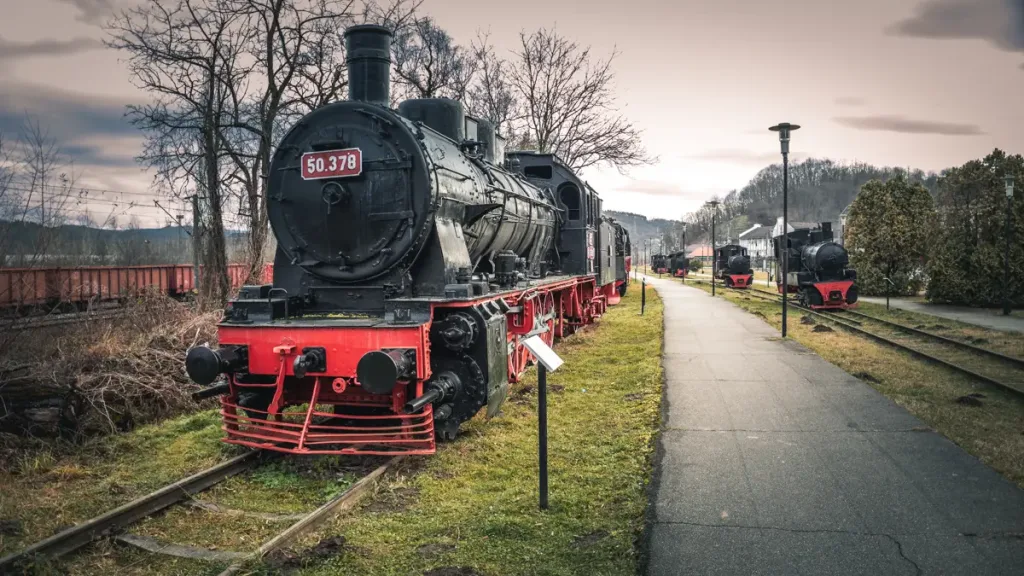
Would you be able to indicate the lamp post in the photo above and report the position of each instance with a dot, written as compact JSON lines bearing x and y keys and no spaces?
{"x":784,"y":129}
{"x":1006,"y":262}
{"x":714,"y":260}
{"x":685,"y":258}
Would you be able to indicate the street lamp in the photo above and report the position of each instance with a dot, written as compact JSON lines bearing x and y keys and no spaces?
{"x":714,"y":260}
{"x":1006,"y":263}
{"x":685,"y":258}
{"x":784,"y":129}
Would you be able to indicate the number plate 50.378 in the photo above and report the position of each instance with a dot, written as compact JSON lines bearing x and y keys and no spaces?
{"x":332,"y":164}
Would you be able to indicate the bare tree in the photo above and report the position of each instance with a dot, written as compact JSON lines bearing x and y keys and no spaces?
{"x":490,"y":96}
{"x":568,"y":104}
{"x":295,"y":50}
{"x":36,"y":188}
{"x":428,"y":63}
{"x":187,"y":55}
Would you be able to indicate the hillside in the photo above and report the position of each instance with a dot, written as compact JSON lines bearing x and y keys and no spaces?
{"x":28,"y":244}
{"x":819,"y":191}
{"x":641,"y":228}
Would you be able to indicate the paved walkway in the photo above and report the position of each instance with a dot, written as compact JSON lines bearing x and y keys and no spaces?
{"x":984,"y":317}
{"x":773,"y":461}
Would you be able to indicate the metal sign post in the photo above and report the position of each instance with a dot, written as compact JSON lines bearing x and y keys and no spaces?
{"x":547,"y":361}
{"x":643,"y":295}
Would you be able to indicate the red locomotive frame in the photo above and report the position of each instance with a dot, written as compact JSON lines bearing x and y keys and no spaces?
{"x":552,"y":309}
{"x":741,"y":281}
{"x":827,"y":289}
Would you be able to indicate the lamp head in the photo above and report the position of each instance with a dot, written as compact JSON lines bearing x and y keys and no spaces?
{"x":1009,"y":185}
{"x":784,"y":129}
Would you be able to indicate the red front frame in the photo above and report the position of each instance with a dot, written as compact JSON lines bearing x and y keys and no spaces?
{"x":681,"y":273}
{"x":296,"y":420}
{"x":825,"y":288}
{"x":740,"y":280}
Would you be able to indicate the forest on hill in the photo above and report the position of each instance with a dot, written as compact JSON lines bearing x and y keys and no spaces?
{"x":819,"y":190}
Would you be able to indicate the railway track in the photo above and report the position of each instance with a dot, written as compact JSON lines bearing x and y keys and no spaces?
{"x":49,"y":320}
{"x":985,"y":365}
{"x":115,"y":521}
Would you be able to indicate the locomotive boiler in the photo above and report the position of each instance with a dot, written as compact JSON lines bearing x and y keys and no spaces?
{"x":413,"y":259}
{"x":818,"y":268}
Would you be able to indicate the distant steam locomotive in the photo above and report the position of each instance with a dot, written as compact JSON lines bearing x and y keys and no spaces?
{"x":414,"y":258}
{"x":678,"y":264}
{"x":818,"y":268}
{"x":732,"y":265}
{"x":659,"y":263}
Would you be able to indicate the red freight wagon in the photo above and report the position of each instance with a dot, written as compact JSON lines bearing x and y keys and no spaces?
{"x":26,"y":287}
{"x":22,"y":287}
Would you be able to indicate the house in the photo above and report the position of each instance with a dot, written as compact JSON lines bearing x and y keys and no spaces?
{"x":700,"y":252}
{"x":843,"y":217}
{"x":758,"y":242}
{"x":791,"y":225}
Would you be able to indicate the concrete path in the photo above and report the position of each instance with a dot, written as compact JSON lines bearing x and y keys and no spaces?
{"x":773,"y":461}
{"x":984,"y":317}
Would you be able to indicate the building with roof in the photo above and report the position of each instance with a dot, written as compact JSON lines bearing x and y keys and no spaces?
{"x":758,"y":241}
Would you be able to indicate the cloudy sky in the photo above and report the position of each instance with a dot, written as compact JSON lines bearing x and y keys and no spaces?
{"x":922,"y":83}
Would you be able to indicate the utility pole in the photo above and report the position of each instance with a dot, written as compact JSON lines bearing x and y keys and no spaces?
{"x":196,"y":242}
{"x":1006,"y":262}
{"x":714,"y":258}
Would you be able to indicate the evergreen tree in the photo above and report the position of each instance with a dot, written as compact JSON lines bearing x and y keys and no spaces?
{"x":969,"y":244}
{"x":887,"y":235}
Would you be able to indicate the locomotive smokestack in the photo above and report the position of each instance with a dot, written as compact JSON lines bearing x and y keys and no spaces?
{"x":368,"y":49}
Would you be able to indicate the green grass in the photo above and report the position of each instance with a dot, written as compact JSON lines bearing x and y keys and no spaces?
{"x":472,"y":504}
{"x":45,"y":492}
{"x":991,"y":431}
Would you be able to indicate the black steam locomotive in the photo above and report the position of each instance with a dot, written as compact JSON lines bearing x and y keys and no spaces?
{"x":659,"y":263}
{"x":732,"y":265}
{"x":818,"y":268}
{"x":678,"y":264}
{"x":414,"y":259}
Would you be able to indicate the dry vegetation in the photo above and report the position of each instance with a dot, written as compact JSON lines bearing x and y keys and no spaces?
{"x":67,"y":382}
{"x":469,"y":509}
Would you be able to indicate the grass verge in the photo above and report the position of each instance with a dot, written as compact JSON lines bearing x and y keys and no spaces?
{"x":473,"y":505}
{"x":989,"y":428}
{"x":472,"y":508}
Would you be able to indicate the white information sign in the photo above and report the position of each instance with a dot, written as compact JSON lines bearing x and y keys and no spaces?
{"x":543,"y":352}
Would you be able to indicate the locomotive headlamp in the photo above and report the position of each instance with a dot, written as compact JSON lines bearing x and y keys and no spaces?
{"x":1009,"y":185}
{"x":378,"y":371}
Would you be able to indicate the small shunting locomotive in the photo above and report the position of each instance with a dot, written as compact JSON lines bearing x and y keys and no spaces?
{"x":679,"y":264}
{"x":659,"y":263}
{"x":414,"y":258}
{"x":732,"y":265}
{"x":818,"y":269}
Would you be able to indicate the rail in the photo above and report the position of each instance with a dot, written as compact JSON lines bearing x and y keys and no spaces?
{"x":854,"y":328}
{"x":106,"y":524}
{"x":120,"y":518}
